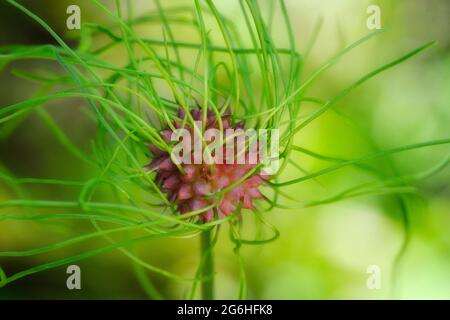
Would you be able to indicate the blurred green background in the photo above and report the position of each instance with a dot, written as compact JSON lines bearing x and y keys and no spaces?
{"x":323,"y":252}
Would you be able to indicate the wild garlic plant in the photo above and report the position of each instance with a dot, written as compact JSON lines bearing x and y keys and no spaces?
{"x":222,"y":82}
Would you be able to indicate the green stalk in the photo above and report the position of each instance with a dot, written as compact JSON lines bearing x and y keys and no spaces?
{"x":208,"y":265}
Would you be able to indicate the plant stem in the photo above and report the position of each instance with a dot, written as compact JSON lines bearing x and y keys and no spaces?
{"x":208,"y":265}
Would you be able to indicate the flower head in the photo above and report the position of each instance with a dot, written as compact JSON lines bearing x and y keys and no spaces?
{"x":215,"y":187}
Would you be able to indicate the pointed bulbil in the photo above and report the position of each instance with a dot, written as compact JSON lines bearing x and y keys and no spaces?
{"x":192,"y":189}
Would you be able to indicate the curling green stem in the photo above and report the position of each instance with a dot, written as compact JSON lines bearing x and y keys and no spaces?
{"x":208,"y":265}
